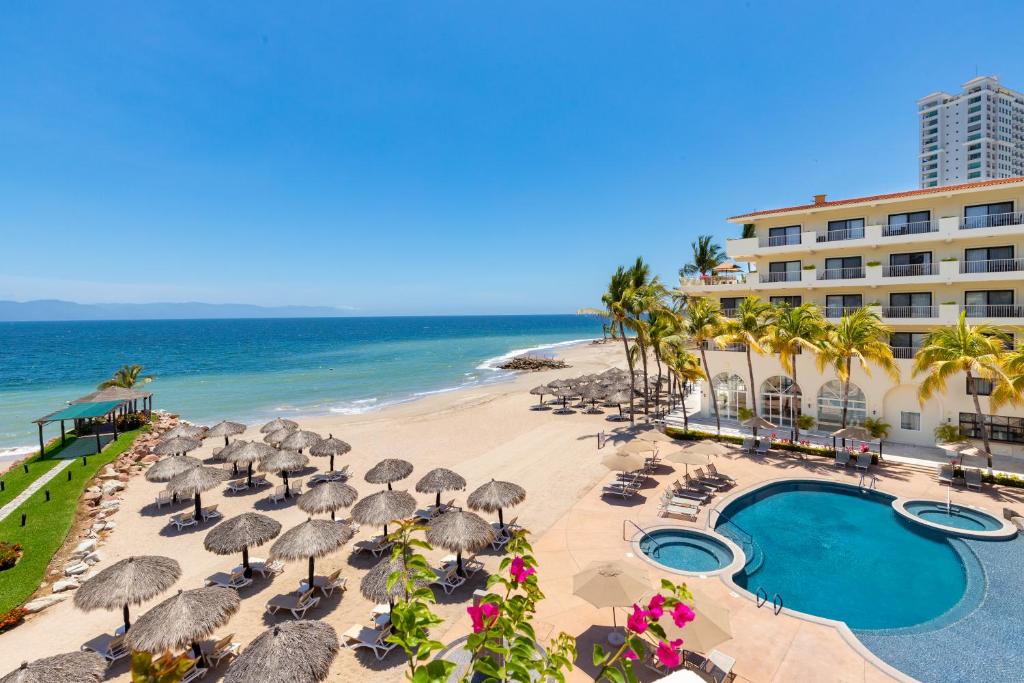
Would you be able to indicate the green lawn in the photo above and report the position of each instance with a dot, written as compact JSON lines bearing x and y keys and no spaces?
{"x":48,"y":523}
{"x":16,"y":481}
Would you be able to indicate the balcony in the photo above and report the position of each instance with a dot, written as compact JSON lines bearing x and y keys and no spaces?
{"x":996,"y":220}
{"x":780,"y":241}
{"x":904,"y":352}
{"x":902,"y":312}
{"x":1003,"y":265}
{"x":836,"y":312}
{"x":842,"y":273}
{"x":915,"y":316}
{"x":1001,"y":311}
{"x":915,"y":228}
{"x":911,"y":270}
{"x":787,"y":276}
{"x":840,"y":235}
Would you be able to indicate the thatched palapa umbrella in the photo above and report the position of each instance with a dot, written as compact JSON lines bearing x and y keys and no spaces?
{"x":384,"y":507}
{"x":184,"y":619}
{"x":292,"y":652}
{"x":389,"y":470}
{"x":374,"y":584}
{"x":329,"y":496}
{"x":283,"y":462}
{"x":196,"y":432}
{"x":277,"y":436}
{"x":70,"y":667}
{"x":495,"y":495}
{"x":226,"y":429}
{"x":176,"y":445}
{"x":541,"y":391}
{"x":194,"y":481}
{"x":617,"y":398}
{"x":168,"y":468}
{"x":238,"y":534}
{"x":300,"y":439}
{"x":460,"y":531}
{"x":330,"y":447}
{"x":279,"y":423}
{"x":131,"y":581}
{"x":438,"y":480}
{"x":565,"y":393}
{"x":246,"y":453}
{"x":312,"y":539}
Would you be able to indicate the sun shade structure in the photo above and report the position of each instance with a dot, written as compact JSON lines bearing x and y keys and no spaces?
{"x":194,"y":481}
{"x":708,"y":447}
{"x":300,"y":439}
{"x":710,"y":627}
{"x":170,"y":467}
{"x":184,"y":619}
{"x":540,"y":392}
{"x":855,"y":432}
{"x":238,"y":534}
{"x":246,"y":453}
{"x":389,"y":470}
{"x":291,"y":652}
{"x":624,"y":462}
{"x":685,"y":456}
{"x":176,"y":445}
{"x":277,"y":436}
{"x":374,"y":584}
{"x":439,"y":480}
{"x":70,"y":667}
{"x":82,"y":411}
{"x":655,"y":436}
{"x":329,"y":496}
{"x":611,"y":584}
{"x":636,"y":446}
{"x":279,"y":423}
{"x":197,"y":432}
{"x":384,"y":507}
{"x":312,"y":539}
{"x":131,"y":581}
{"x":460,"y":531}
{"x":226,"y":429}
{"x":283,"y":462}
{"x":330,"y":447}
{"x":758,"y":422}
{"x":496,"y":495}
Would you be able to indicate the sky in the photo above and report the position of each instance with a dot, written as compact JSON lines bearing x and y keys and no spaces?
{"x":397,"y":158}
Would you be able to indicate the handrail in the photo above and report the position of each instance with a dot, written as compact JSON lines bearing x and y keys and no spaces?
{"x":777,"y":604}
{"x":657,"y":548}
{"x":761,"y":596}
{"x":736,"y":526}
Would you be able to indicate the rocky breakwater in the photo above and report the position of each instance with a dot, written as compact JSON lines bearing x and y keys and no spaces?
{"x":533,"y":363}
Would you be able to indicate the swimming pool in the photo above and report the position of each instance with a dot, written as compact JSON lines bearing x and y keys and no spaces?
{"x":841,"y":552}
{"x":954,"y":516}
{"x":685,"y":550}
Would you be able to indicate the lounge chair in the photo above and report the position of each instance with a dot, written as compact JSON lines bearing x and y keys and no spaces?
{"x":503,"y":534}
{"x":620,"y":490}
{"x":262,"y":567}
{"x":234,"y":579}
{"x":331,"y":475}
{"x":375,"y":546}
{"x":748,"y":444}
{"x":717,"y":665}
{"x":327,"y":584}
{"x":946,"y":475}
{"x":763,"y":446}
{"x":372,"y":639}
{"x":278,"y":494}
{"x":296,"y":487}
{"x":470,"y":565}
{"x":111,"y":648}
{"x":297,"y":604}
{"x":236,"y":485}
{"x":972,"y":478}
{"x":194,"y":672}
{"x":713,"y":472}
{"x":448,"y":579}
{"x":163,"y":498}
{"x":210,"y":512}
{"x":183,"y":519}
{"x":697,"y":485}
{"x":842,"y":458}
{"x":671,"y":499}
{"x":864,"y":461}
{"x":259,"y":480}
{"x":215,"y":652}
{"x":356,"y":526}
{"x":705,"y":480}
{"x":667,"y":509}
{"x":680,"y":491}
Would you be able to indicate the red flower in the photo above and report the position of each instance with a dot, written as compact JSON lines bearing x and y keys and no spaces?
{"x":682,"y":614}
{"x":519,"y":570}
{"x":654,"y":607}
{"x":668,"y":653}
{"x":629,"y":654}
{"x":483,"y":616}
{"x":637,"y":621}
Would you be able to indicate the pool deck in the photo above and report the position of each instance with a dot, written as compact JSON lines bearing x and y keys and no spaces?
{"x":767,"y":647}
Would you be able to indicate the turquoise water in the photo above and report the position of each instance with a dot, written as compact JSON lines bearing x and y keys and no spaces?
{"x":209,"y":370}
{"x":838,"y":552}
{"x":955,"y":516}
{"x":685,"y":550}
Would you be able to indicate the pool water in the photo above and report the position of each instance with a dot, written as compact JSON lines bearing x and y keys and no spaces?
{"x":954,"y":516}
{"x":843,"y":553}
{"x":686,"y":550}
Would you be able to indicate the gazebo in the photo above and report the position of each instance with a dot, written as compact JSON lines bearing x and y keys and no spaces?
{"x":106,"y":403}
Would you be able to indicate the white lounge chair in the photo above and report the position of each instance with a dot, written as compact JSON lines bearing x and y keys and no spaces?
{"x":194,"y":672}
{"x":696,"y":485}
{"x":278,"y":494}
{"x":235,"y":579}
{"x":326,"y":584}
{"x":503,"y":534}
{"x":356,"y":526}
{"x":680,"y":491}
{"x":763,"y":446}
{"x":376,"y":546}
{"x":470,"y":565}
{"x":163,"y":498}
{"x":372,"y":639}
{"x":946,"y":475}
{"x":295,"y":487}
{"x":717,"y":664}
{"x":210,"y":512}
{"x":713,"y":471}
{"x":236,"y":485}
{"x":711,"y":482}
{"x":448,"y":579}
{"x":262,"y":567}
{"x":864,"y":461}
{"x":111,"y":648}
{"x":972,"y":478}
{"x":215,"y":652}
{"x":297,"y":604}
{"x":748,"y":444}
{"x":671,"y":510}
{"x":842,"y":458}
{"x":259,"y":480}
{"x":182,"y":520}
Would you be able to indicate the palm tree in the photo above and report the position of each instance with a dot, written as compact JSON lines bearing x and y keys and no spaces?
{"x":645,"y":302}
{"x":687,"y":369}
{"x":667,"y":336}
{"x":975,"y":350}
{"x":794,"y":329}
{"x":749,"y":230}
{"x":749,"y":327}
{"x":860,"y":336}
{"x":706,"y":255}
{"x":126,"y":377}
{"x":703,"y":324}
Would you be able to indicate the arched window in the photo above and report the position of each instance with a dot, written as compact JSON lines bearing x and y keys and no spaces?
{"x":830,"y":405}
{"x":780,"y":400}
{"x":730,"y":393}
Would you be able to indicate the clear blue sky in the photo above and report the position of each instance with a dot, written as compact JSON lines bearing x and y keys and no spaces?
{"x":436,"y":157}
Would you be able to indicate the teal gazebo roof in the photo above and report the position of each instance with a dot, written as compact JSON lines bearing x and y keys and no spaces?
{"x":81,"y":411}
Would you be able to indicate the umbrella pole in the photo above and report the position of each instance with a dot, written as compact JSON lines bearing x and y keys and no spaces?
{"x":311,"y":584}
{"x":332,"y":516}
{"x":250,"y":476}
{"x":389,"y":486}
{"x":287,"y":491}
{"x":501,"y":519}
{"x":225,"y":440}
{"x":332,"y":462}
{"x":199,"y":506}
{"x":437,"y":501}
{"x":385,"y":530}
{"x":127,"y":621}
{"x":245,"y":563}
{"x":458,"y":562}
{"x":198,"y":652}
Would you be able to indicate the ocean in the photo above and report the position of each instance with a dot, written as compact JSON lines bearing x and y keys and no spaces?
{"x":249,"y":370}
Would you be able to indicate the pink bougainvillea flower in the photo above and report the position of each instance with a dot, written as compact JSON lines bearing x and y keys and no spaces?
{"x":519,"y":570}
{"x":654,"y":607}
{"x":629,"y":654}
{"x":483,"y":617}
{"x":637,"y":621}
{"x":682,"y":614}
{"x":668,"y":653}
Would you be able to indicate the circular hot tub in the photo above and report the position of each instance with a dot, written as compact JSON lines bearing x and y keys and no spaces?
{"x":687,"y":551}
{"x":961,"y":520}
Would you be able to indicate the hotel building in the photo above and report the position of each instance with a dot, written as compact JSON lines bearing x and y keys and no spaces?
{"x":976,"y":135}
{"x":919,"y":258}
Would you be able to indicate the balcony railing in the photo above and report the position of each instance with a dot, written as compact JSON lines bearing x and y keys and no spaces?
{"x":840,"y":311}
{"x":711,"y":346}
{"x":841,"y":273}
{"x":915,"y":228}
{"x":728,"y":312}
{"x":1000,"y":265}
{"x":785,"y":276}
{"x":780,"y":241}
{"x":993,"y":311}
{"x":839,"y":235}
{"x":994,"y":220}
{"x":904,"y":352}
{"x":910,"y":270}
{"x":910,"y":311}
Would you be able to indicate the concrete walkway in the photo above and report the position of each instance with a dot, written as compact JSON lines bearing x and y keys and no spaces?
{"x":39,"y":483}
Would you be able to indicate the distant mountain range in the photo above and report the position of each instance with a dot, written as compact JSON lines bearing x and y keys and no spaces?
{"x":54,"y":309}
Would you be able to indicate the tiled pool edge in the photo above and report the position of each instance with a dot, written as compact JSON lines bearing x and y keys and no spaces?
{"x":1005,"y":532}
{"x":738,"y":556}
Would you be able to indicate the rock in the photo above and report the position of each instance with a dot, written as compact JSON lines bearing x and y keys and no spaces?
{"x":39,"y":604}
{"x":92,"y":558}
{"x":65,"y":585}
{"x":85,"y":547}
{"x":533,"y":363}
{"x":76,"y":569}
{"x":109,"y":525}
{"x":123,"y":477}
{"x":111,"y":504}
{"x":92,"y":496}
{"x":112,"y":487}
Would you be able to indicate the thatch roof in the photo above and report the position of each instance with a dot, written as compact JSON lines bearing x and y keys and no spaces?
{"x":300,"y":439}
{"x":329,"y":446}
{"x":495,"y":495}
{"x":853,"y":432}
{"x":226,"y":429}
{"x":183,"y":619}
{"x":283,"y":461}
{"x":113,"y":394}
{"x":131,"y":581}
{"x":461,"y":531}
{"x":244,"y":452}
{"x":70,"y":667}
{"x":440,"y":479}
{"x":312,"y":538}
{"x":389,"y":470}
{"x":384,"y":507}
{"x":279,"y":423}
{"x":185,"y":431}
{"x":247,"y":530}
{"x":196,"y":480}
{"x":327,"y":497}
{"x":290,"y":652}
{"x":277,"y":436}
{"x":374,"y":584}
{"x":542,"y":390}
{"x":176,"y":444}
{"x":170,"y":467}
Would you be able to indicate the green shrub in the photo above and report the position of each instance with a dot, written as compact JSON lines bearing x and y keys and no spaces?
{"x":872,"y":264}
{"x":12,"y":618}
{"x":9,"y":554}
{"x":1003,"y":480}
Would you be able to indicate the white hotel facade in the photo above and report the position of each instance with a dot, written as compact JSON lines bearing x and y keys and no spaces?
{"x":920,"y":257}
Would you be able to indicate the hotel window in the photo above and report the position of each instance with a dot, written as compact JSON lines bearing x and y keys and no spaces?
{"x":984,"y":386}
{"x":729,"y":304}
{"x":905,"y":344}
{"x":910,"y":223}
{"x":783,"y":236}
{"x":997,"y":303}
{"x":910,"y":305}
{"x":838,"y":305}
{"x":784,"y":271}
{"x":999,"y":428}
{"x":910,"y":263}
{"x":910,"y":421}
{"x":988,"y":215}
{"x":843,"y":267}
{"x":989,"y":260}
{"x":847,"y":229}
